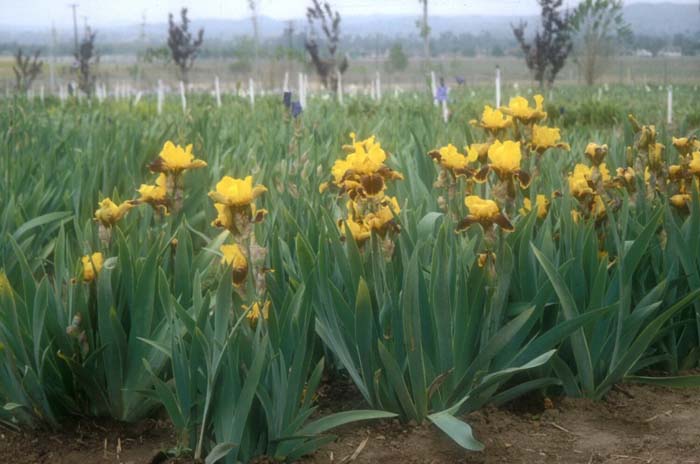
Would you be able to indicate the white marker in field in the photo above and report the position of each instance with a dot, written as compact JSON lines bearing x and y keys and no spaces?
{"x":498,"y":87}
{"x":306,"y":88}
{"x":251,"y":91}
{"x":182,"y":96}
{"x":669,"y":106}
{"x":217,"y":89}
{"x":339,"y":80}
{"x":433,"y":87}
{"x":379,"y":85}
{"x":301,"y":91}
{"x":137,"y":99}
{"x":41,"y":94}
{"x":600,"y":93}
{"x":445,"y":112}
{"x":159,"y":104}
{"x":285,"y":87}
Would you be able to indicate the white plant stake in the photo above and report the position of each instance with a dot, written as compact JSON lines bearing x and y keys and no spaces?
{"x":372,"y":90}
{"x":433,"y":87}
{"x":160,"y":97}
{"x":306,"y":88}
{"x":339,"y":78}
{"x":301,"y":90}
{"x":137,"y":98}
{"x":498,"y":87}
{"x":41,"y":94}
{"x":217,"y":89}
{"x":600,"y":93}
{"x":285,"y":87}
{"x":379,"y":86}
{"x":669,"y":106}
{"x":182,"y":96}
{"x":445,"y":111}
{"x":251,"y":91}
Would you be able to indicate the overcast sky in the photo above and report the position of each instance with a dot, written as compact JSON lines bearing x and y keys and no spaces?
{"x":113,"y":12}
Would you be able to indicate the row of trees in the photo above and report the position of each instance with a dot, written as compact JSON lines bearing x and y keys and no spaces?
{"x":589,"y":32}
{"x":592,"y":27}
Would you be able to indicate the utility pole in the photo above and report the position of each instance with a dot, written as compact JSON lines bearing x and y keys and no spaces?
{"x":74,"y":6}
{"x":52,"y":63}
{"x":425,"y":31}
{"x":254,"y":17}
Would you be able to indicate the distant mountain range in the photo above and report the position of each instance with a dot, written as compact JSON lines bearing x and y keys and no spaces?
{"x":658,"y":19}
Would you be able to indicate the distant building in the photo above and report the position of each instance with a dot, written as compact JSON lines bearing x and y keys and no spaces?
{"x":671,"y":52}
{"x":643,"y":52}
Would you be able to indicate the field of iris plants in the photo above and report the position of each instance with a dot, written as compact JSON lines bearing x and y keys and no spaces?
{"x":217,"y":264}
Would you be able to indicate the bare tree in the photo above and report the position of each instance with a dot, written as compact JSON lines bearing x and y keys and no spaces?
{"x":183,"y":47}
{"x":26,"y":69}
{"x":86,"y":59}
{"x":547,"y":53}
{"x":424,"y":29}
{"x":596,"y":23}
{"x":327,"y":65}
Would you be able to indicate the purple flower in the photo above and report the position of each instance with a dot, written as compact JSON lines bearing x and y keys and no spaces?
{"x":460,"y":80}
{"x":441,"y":94}
{"x":287,"y":99}
{"x":296,"y":109}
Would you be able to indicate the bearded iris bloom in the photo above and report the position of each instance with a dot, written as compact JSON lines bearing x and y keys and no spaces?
{"x":519,"y":108}
{"x":493,"y":120}
{"x":685,"y":145}
{"x":505,"y":161}
{"x":378,"y":218}
{"x":155,"y":195}
{"x":92,"y":265}
{"x":109,"y":213}
{"x":596,"y":153}
{"x":234,"y":203}
{"x":175,"y":159}
{"x":694,"y":165}
{"x":542,"y":204}
{"x":484,"y":212}
{"x":544,"y":138}
{"x":362,"y":172}
{"x":453,"y":161}
{"x":233,"y":256}
{"x":255,"y":311}
{"x":681,"y":201}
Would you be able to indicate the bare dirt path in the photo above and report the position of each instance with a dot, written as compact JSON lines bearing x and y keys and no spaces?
{"x":633,"y":426}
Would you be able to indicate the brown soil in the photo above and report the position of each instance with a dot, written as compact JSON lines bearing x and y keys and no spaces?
{"x":636,"y":425}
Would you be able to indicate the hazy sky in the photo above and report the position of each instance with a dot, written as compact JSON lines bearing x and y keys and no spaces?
{"x":106,"y":12}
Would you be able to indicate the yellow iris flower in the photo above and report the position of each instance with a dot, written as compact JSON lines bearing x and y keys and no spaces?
{"x":542,"y":203}
{"x":236,"y":192}
{"x":176,"y":159}
{"x":519,"y":108}
{"x":233,"y":256}
{"x":493,"y":120}
{"x":109,"y":213}
{"x":485,"y":212}
{"x":596,"y":153}
{"x":92,"y":265}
